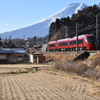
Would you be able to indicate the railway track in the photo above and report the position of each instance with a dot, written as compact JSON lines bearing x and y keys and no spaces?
{"x":72,"y":52}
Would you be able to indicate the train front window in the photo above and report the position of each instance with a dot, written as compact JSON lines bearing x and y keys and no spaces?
{"x":91,"y":40}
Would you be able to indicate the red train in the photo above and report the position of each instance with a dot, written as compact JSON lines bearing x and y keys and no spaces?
{"x":85,"y":42}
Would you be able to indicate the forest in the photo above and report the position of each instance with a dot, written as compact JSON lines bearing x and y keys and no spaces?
{"x":87,"y":20}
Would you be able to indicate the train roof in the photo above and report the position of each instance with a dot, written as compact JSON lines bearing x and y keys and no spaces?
{"x":89,"y":35}
{"x":52,"y":42}
{"x":79,"y":37}
{"x":82,"y":36}
{"x":63,"y":39}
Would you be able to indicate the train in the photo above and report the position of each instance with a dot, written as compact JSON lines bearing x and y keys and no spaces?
{"x":84,"y":42}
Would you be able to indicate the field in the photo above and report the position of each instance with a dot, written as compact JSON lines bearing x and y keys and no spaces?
{"x":44,"y":85}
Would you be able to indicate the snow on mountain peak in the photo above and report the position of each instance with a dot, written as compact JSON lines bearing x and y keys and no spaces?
{"x":41,"y":28}
{"x":80,"y":7}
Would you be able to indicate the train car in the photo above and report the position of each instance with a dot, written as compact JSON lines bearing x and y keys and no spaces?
{"x":52,"y":46}
{"x":63,"y":44}
{"x":85,"y":42}
{"x":72,"y":43}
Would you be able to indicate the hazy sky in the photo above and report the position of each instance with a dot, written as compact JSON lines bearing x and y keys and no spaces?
{"x":15,"y":14}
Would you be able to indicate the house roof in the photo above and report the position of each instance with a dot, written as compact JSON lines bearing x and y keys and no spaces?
{"x":9,"y":51}
{"x":19,"y":50}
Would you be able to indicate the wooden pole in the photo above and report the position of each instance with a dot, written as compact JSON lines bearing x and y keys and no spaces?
{"x":76,"y":39}
{"x":97,"y":26}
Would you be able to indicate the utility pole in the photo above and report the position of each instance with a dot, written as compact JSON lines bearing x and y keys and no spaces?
{"x":37,"y":43}
{"x":10,"y":43}
{"x":47,"y":43}
{"x":76,"y":39}
{"x":97,"y":26}
{"x":1,"y":45}
{"x":66,"y":31}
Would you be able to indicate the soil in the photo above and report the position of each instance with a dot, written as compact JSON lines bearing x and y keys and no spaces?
{"x":45,"y":85}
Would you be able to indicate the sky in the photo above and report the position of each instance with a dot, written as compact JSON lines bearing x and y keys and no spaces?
{"x":16,"y":14}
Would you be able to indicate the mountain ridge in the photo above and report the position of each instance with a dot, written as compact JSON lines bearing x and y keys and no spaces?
{"x":41,"y":28}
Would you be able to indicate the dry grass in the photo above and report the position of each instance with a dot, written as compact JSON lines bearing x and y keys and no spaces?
{"x":72,"y":67}
{"x":51,"y":85}
{"x":87,"y":68}
{"x":93,"y":73}
{"x":44,"y":85}
{"x":80,"y":69}
{"x":59,"y":57}
{"x":95,"y":89}
{"x":94,"y":56}
{"x":18,"y":68}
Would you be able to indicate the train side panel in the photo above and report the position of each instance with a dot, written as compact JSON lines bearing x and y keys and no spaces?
{"x":72,"y":43}
{"x":62,"y":44}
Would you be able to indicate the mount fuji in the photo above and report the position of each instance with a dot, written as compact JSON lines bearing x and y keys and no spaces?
{"x":41,"y":28}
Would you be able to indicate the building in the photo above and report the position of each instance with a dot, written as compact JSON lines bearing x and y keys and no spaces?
{"x":38,"y":58}
{"x":10,"y":56}
{"x":33,"y":57}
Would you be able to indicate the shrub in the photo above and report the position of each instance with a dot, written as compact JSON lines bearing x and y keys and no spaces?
{"x":96,"y":62}
{"x":80,"y":69}
{"x":93,"y":73}
{"x":72,"y":67}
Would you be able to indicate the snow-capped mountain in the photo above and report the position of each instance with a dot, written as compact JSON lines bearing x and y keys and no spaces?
{"x":41,"y":28}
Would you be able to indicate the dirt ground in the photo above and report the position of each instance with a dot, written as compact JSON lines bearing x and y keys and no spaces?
{"x":45,"y":85}
{"x":18,"y":67}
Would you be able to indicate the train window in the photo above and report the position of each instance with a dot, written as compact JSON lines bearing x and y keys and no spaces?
{"x":80,"y":41}
{"x":91,"y":39}
{"x":74,"y":42}
{"x":52,"y":45}
{"x":63,"y":44}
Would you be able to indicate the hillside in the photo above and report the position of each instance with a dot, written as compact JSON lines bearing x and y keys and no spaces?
{"x":89,"y":67}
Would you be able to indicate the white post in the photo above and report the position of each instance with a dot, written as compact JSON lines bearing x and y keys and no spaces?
{"x":31,"y":58}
